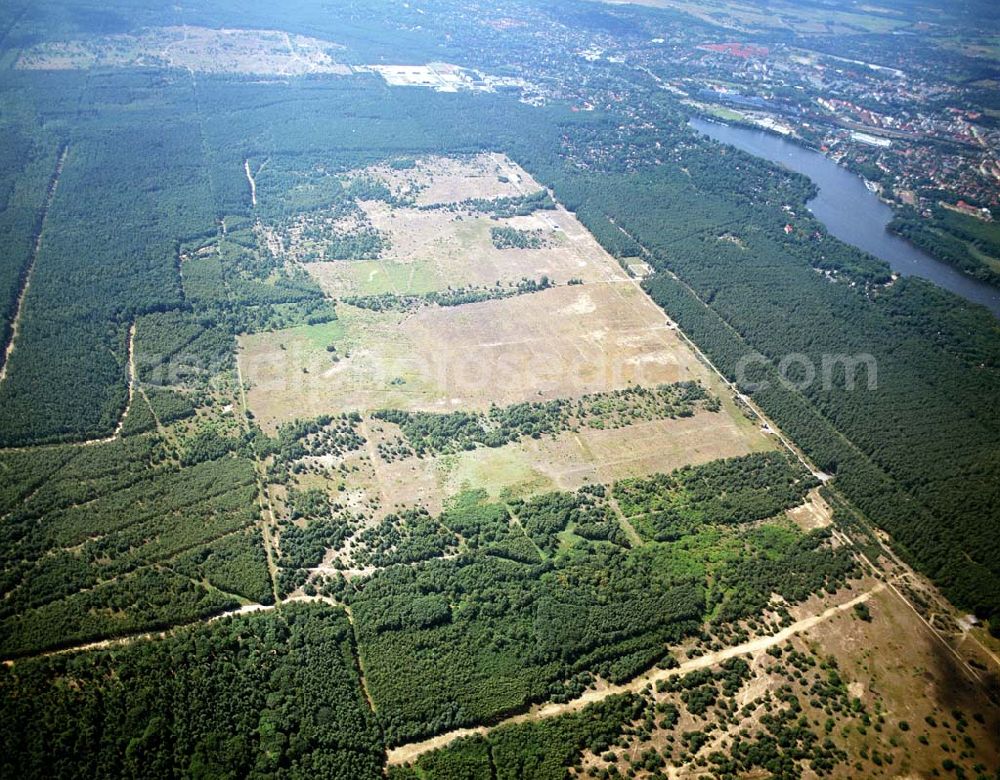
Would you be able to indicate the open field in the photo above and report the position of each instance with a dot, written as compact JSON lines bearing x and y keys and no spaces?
{"x":889,"y":658}
{"x":430,"y":250}
{"x":570,"y":460}
{"x":437,"y":180}
{"x":271,"y":52}
{"x":434,"y":236}
{"x":599,"y":334}
{"x":562,"y":342}
{"x":783,"y":16}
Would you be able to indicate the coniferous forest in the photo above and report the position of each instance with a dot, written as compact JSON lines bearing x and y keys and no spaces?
{"x":159,"y":617}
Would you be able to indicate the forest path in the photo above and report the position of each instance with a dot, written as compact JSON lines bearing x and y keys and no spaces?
{"x":253,"y":184}
{"x":406,"y":753}
{"x":15,"y":327}
{"x":268,"y":521}
{"x":133,"y":379}
{"x":121,"y":641}
{"x":143,"y":636}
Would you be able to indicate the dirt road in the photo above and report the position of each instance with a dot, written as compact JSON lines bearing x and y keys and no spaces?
{"x":406,"y":753}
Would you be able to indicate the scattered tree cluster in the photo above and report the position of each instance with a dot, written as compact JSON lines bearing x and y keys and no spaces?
{"x":428,"y":433}
{"x":512,"y":238}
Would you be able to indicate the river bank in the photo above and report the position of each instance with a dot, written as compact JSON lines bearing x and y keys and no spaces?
{"x":850,"y":211}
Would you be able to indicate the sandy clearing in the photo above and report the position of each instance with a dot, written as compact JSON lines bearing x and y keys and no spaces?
{"x":569,"y":460}
{"x":436,"y":180}
{"x":898,"y":661}
{"x":814,"y":513}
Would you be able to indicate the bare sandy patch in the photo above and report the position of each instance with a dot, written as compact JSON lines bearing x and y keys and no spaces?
{"x":569,"y":460}
{"x":897,"y":662}
{"x":434,"y":250}
{"x":814,"y":513}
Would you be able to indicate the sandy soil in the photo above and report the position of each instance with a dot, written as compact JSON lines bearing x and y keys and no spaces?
{"x":570,"y":460}
{"x":439,"y":180}
{"x":434,"y":250}
{"x":814,"y":513}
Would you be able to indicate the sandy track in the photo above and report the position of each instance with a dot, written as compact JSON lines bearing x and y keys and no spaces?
{"x":253,"y":184}
{"x":104,"y":644}
{"x":407,"y":753}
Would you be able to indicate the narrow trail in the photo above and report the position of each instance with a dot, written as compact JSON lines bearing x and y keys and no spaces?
{"x":121,"y":641}
{"x":263,"y":499}
{"x":132,"y":380}
{"x":253,"y":184}
{"x":625,"y":523}
{"x":357,"y":660}
{"x":407,"y":753}
{"x":29,"y":270}
{"x":145,"y":636}
{"x":376,"y":460}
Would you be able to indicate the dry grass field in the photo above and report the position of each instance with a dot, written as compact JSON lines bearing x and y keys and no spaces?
{"x":886,"y":661}
{"x":435,"y":180}
{"x":566,"y":461}
{"x":562,"y":342}
{"x":432,"y":250}
{"x":883,"y":660}
{"x":599,"y":334}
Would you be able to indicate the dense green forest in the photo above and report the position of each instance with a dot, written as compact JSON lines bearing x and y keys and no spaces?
{"x":114,"y":539}
{"x":492,"y":629}
{"x":134,"y":182}
{"x":543,"y":750}
{"x":270,"y":695}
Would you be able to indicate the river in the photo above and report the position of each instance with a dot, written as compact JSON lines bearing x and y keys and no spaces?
{"x":850,"y":211}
